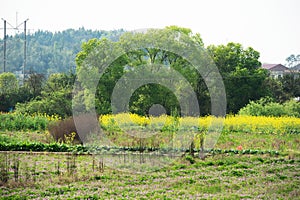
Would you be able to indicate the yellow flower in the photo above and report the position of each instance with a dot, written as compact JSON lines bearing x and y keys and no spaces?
{"x":247,"y":124}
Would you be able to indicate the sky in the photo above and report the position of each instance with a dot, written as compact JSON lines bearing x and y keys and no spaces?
{"x":271,"y":27}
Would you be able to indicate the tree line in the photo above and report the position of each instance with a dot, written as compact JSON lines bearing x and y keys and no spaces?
{"x":48,"y":52}
{"x":239,"y":67}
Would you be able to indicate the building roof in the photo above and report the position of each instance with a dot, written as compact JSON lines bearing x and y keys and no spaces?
{"x":268,"y":66}
{"x":274,"y":67}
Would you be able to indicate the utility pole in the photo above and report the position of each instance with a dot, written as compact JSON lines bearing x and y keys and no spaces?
{"x":25,"y":43}
{"x":25,"y":48}
{"x":4,"y":46}
{"x":4,"y":42}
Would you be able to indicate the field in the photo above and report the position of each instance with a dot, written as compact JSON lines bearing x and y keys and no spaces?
{"x":254,"y":158}
{"x":222,"y":176}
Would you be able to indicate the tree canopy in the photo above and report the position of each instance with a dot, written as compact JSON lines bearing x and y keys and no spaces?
{"x":242,"y":74}
{"x":243,"y":77}
{"x":170,"y":67}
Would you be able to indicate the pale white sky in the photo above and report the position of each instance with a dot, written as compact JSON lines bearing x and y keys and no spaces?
{"x":271,"y":27}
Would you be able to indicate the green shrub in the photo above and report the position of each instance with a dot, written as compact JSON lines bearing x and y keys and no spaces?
{"x":293,"y":108}
{"x":58,"y":103}
{"x":266,"y":107}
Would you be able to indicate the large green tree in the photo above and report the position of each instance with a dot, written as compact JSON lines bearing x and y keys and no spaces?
{"x":8,"y":82}
{"x":8,"y":91}
{"x":131,"y":56}
{"x":291,"y":84}
{"x":242,"y":74}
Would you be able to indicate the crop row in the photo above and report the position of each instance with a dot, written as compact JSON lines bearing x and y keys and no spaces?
{"x":79,"y":149}
{"x":37,"y":146}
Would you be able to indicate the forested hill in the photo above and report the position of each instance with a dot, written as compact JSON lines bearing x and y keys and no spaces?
{"x":48,"y":52}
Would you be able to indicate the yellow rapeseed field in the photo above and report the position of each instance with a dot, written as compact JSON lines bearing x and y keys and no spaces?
{"x":247,"y":124}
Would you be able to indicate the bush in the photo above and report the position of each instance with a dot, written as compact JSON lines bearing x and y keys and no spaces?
{"x":66,"y":130}
{"x":56,"y":103}
{"x":266,"y":107}
{"x":293,"y":108}
{"x":63,"y":130}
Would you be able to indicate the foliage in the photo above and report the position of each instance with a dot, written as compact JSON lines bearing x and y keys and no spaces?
{"x":151,"y":60}
{"x":275,"y":90}
{"x":8,"y":83}
{"x":233,"y":56}
{"x":291,"y":84}
{"x":293,"y":60}
{"x":8,"y":91}
{"x":283,"y":89}
{"x":80,"y":149}
{"x":38,"y":147}
{"x":17,"y":121}
{"x":242,"y":74}
{"x":37,"y":96}
{"x":50,"y":52}
{"x":56,"y":104}
{"x":55,"y":97}
{"x":54,"y":53}
{"x":266,"y":107}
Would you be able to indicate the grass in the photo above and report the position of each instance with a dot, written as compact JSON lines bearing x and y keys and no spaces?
{"x":26,"y":136}
{"x":219,"y":177}
{"x":223,"y":176}
{"x":283,"y":143}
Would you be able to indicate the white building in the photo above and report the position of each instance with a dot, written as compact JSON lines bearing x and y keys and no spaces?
{"x":276,"y":70}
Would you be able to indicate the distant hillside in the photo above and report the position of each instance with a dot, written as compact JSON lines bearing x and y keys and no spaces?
{"x":49,"y":52}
